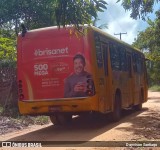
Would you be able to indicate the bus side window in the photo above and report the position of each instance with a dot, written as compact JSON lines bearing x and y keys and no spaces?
{"x":134,"y":57}
{"x":137,"y":63}
{"x":99,"y":52}
{"x":105,"y":57}
{"x":129,"y":64}
{"x":123,"y":59}
{"x":140,"y":65}
{"x":115,"y":56}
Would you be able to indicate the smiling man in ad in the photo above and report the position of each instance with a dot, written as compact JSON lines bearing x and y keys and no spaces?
{"x":76,"y":83}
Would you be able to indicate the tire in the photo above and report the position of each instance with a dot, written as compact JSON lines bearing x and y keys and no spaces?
{"x":139,"y":106}
{"x":54,"y":120}
{"x":60,"y":119}
{"x":116,"y":114}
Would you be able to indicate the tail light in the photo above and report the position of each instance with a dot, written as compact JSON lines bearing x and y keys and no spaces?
{"x":90,"y":86}
{"x":20,"y":90}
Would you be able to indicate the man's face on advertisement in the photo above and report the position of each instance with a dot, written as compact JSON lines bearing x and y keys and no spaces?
{"x":78,"y":65}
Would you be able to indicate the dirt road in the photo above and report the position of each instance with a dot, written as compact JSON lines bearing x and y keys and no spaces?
{"x":134,"y":126}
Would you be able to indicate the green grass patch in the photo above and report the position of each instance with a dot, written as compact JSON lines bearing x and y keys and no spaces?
{"x":1,"y":109}
{"x":15,"y":116}
{"x":155,"y":88}
{"x":34,"y":120}
{"x":41,"y":120}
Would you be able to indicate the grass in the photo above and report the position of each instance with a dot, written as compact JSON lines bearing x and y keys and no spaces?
{"x":155,"y":88}
{"x":1,"y":109}
{"x":36,"y":120}
{"x":13,"y":114}
{"x":41,"y":120}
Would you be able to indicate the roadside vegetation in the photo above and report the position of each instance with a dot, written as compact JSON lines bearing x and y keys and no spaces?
{"x":13,"y":114}
{"x":155,"y":88}
{"x":11,"y":120}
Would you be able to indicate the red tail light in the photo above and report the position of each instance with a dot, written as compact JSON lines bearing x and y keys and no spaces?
{"x":90,"y":86}
{"x":20,"y":90}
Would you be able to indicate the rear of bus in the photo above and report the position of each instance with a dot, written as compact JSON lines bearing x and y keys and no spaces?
{"x":45,"y":62}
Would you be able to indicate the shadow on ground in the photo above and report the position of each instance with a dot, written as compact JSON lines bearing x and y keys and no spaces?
{"x":154,"y":98}
{"x":87,"y":127}
{"x":147,"y":125}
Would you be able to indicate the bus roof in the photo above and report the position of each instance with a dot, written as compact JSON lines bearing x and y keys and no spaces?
{"x":53,"y":29}
{"x":114,"y":39}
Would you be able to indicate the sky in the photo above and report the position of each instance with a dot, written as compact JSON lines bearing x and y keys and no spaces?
{"x":118,"y":20}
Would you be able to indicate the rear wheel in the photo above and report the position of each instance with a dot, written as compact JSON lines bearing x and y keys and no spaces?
{"x":116,"y":114}
{"x":139,"y":106}
{"x":60,"y":119}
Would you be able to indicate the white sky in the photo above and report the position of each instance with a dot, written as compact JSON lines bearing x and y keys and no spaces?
{"x":118,"y":20}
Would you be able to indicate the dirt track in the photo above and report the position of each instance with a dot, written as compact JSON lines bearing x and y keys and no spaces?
{"x":134,"y":126}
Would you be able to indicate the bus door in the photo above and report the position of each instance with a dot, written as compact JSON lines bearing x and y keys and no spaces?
{"x":102,"y":72}
{"x":130,"y":80}
{"x":138,"y":77}
{"x":104,"y":79}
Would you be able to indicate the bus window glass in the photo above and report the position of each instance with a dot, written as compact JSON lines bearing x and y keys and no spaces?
{"x":134,"y":57}
{"x":105,"y":57}
{"x":137,"y":62}
{"x":123,"y":59}
{"x":129,"y":67}
{"x":115,"y":57}
{"x":99,"y":51}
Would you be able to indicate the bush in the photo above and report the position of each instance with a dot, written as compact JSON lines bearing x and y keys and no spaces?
{"x":155,"y":88}
{"x":13,"y":114}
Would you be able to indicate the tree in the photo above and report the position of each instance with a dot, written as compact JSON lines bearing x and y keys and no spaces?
{"x":149,"y":42}
{"x":7,"y":46}
{"x":77,"y":12}
{"x":44,"y":13}
{"x":139,"y":8}
{"x":33,"y":13}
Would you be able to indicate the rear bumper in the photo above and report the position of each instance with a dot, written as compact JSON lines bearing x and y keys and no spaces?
{"x":58,"y":106}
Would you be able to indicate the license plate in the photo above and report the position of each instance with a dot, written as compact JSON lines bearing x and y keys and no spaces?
{"x":55,"y":108}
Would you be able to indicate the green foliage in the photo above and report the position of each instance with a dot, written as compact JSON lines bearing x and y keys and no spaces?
{"x":16,"y":117}
{"x":1,"y":109}
{"x":7,"y":46}
{"x":7,"y":49}
{"x":153,"y":69}
{"x":155,"y":88}
{"x":40,"y":120}
{"x":43,"y":13}
{"x":149,"y":42}
{"x":75,"y":12}
{"x":34,"y":13}
{"x":139,"y":8}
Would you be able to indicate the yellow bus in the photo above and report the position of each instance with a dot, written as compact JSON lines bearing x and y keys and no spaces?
{"x":62,"y":73}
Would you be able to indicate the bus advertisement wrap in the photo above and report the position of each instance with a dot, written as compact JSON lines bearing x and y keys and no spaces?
{"x":55,"y":68}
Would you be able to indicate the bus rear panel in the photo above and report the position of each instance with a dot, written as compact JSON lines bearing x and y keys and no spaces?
{"x":45,"y":62}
